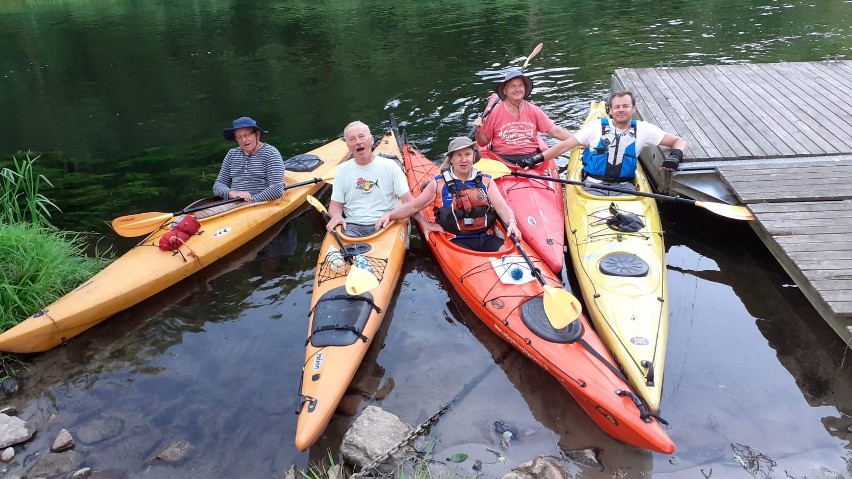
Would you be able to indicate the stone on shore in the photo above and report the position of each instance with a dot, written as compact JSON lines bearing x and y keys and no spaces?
{"x":13,"y":431}
{"x":374,"y":433}
{"x":538,"y":468}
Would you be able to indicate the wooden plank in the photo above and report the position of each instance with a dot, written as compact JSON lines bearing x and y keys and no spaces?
{"x":842,"y":205}
{"x":784,"y":195}
{"x":832,"y":90}
{"x":748,"y":108}
{"x":840,"y":161}
{"x":799,"y":256}
{"x":835,"y":74}
{"x":833,"y":285}
{"x":728,"y":124}
{"x":792,"y":184}
{"x":743,"y":116}
{"x":709,"y":140}
{"x":808,"y":224}
{"x":786,"y":111}
{"x":686,"y":126}
{"x":774,"y":111}
{"x":831,"y":113}
{"x":814,"y":169}
{"x":797,"y":216}
{"x":842,"y":309}
{"x":818,"y":247}
{"x":825,"y":238}
{"x":727,"y":144}
{"x":838,"y":296}
{"x":804,"y":112}
{"x":825,"y":265}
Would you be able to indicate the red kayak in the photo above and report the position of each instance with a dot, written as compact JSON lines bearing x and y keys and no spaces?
{"x":500,"y":288}
{"x":539,"y":208}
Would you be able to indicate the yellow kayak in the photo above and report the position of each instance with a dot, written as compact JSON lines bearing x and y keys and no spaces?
{"x":146,"y":269}
{"x":342,"y":326}
{"x":622,"y":274}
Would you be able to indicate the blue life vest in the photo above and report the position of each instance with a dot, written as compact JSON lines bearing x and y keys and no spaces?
{"x":615,"y":157}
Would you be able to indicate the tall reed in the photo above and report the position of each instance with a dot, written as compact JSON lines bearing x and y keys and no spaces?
{"x":40,"y":262}
{"x":20,"y":197}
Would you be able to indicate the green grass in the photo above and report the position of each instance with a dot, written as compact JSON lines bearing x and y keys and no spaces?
{"x":40,"y":262}
{"x":421,"y":469}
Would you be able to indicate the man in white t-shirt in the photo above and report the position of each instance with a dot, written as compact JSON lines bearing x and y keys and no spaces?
{"x":613,"y":144}
{"x":368,"y":190}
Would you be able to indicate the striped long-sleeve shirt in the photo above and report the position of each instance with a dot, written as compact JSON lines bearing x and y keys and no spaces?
{"x":261,"y":173}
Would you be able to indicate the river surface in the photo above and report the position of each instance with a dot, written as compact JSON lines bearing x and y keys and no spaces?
{"x":126,"y":100}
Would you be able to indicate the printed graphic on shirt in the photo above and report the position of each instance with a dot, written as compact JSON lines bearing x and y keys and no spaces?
{"x":517,"y":132}
{"x":366,"y":185}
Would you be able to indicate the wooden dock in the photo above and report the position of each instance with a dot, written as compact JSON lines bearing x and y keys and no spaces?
{"x":777,"y":138}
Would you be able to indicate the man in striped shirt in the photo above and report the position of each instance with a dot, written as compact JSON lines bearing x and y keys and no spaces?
{"x":253,"y":171}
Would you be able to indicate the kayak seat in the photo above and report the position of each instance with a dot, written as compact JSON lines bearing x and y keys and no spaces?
{"x":302,"y":163}
{"x":534,"y":318}
{"x":339,"y":318}
{"x":623,"y":264}
{"x":627,"y":185}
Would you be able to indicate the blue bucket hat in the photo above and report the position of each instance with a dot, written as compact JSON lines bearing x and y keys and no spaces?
{"x":512,"y":74}
{"x":242,"y":122}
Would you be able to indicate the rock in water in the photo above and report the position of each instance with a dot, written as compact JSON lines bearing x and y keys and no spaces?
{"x":63,"y":442}
{"x":13,"y":430}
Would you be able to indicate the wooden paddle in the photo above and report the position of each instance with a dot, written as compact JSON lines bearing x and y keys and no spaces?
{"x":358,"y":280}
{"x":144,"y":223}
{"x":560,"y":306}
{"x":497,"y":170}
{"x":533,"y":54}
{"x":497,"y":100}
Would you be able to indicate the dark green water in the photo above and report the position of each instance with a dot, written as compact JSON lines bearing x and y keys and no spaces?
{"x":126,"y":100}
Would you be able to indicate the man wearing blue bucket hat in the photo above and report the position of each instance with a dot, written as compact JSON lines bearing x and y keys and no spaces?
{"x":254,"y":170}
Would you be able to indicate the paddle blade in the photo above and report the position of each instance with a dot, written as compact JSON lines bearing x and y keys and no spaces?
{"x":360,"y":281}
{"x":728,"y":211}
{"x":560,"y":307}
{"x":139,"y":224}
{"x":497,"y":169}
{"x":533,"y":54}
{"x":316,"y":204}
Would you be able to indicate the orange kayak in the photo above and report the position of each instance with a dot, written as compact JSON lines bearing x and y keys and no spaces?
{"x":342,"y":326}
{"x":500,"y":290}
{"x":146,"y":270}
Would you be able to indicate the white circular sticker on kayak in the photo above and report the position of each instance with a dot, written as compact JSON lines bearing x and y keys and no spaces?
{"x":222,"y":232}
{"x":531,"y":220}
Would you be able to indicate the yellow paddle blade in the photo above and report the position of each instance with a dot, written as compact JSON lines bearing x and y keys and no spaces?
{"x":316,"y":204}
{"x":139,"y":224}
{"x":360,"y":280}
{"x":496,"y":169}
{"x":728,"y":211}
{"x":560,"y":307}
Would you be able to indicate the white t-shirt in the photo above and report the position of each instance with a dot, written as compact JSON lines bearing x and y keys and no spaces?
{"x":647,"y":134}
{"x":367,"y":192}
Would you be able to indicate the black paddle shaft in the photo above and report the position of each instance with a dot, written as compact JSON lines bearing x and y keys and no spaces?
{"x":597,"y":186}
{"x":234,"y":200}
{"x":487,"y":112}
{"x":533,"y":269}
